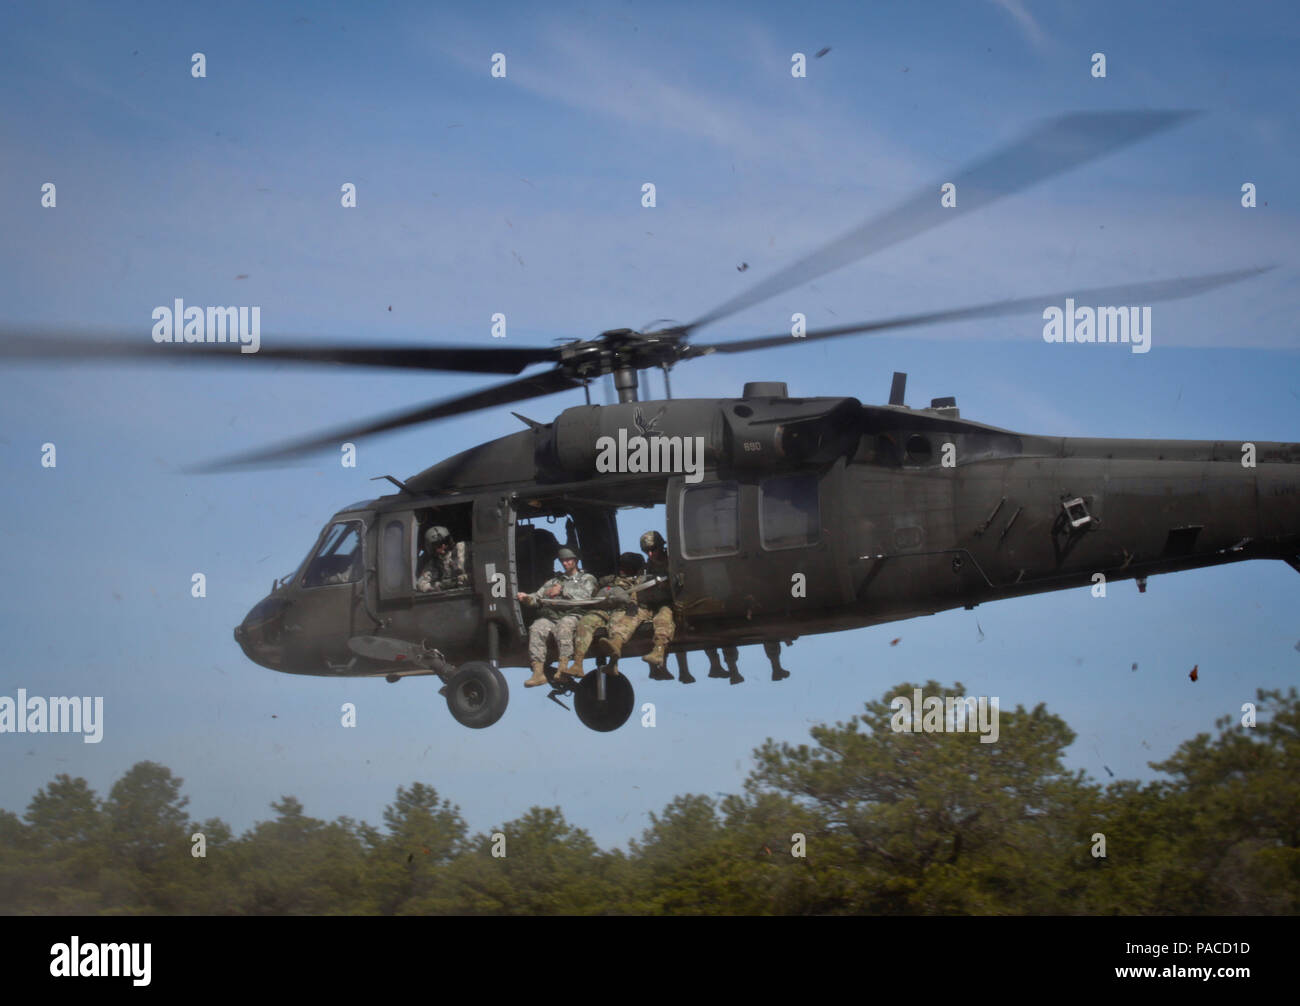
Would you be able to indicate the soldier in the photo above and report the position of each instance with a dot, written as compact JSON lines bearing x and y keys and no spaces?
{"x":571,"y":585}
{"x":616,"y":594}
{"x":654,"y":605}
{"x":446,"y":564}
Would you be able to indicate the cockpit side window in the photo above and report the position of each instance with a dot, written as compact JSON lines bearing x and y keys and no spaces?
{"x":338,"y":558}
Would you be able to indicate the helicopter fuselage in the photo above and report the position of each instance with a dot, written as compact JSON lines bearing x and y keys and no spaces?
{"x":808,"y":516}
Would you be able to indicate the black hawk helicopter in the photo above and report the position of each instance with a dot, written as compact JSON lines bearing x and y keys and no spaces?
{"x":785,"y":516}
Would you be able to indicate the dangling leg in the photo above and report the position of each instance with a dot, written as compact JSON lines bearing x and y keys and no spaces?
{"x":564,"y":640}
{"x":582,"y":640}
{"x":537,"y":636}
{"x":773,"y":651}
{"x":663,"y":627}
{"x":732,"y":656}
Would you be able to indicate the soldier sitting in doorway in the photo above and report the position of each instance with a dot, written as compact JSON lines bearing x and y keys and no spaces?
{"x":571,"y":585}
{"x":654,"y":605}
{"x":617,"y":592}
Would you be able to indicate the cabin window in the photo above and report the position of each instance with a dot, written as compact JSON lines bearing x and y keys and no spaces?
{"x":338,"y":559}
{"x":395,"y":557}
{"x":710,"y":520}
{"x":789,"y":516}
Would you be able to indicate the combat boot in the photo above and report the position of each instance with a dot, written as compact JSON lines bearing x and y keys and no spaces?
{"x":564,"y":670}
{"x":539,"y":676}
{"x":655,"y":658}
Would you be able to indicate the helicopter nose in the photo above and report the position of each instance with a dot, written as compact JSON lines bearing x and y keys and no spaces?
{"x":260,"y":634}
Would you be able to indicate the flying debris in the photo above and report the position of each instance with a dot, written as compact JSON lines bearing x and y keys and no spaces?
{"x":1194,"y":675}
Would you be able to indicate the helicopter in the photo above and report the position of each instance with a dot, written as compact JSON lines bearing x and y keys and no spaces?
{"x":785,"y":516}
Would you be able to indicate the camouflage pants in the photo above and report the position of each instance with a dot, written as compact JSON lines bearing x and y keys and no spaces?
{"x":623,"y":625}
{"x":587,"y":627}
{"x":561,"y":628}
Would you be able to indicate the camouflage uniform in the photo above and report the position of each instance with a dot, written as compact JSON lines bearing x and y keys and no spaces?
{"x":614,"y":590}
{"x":654,"y":605}
{"x":558,"y":621}
{"x":445,"y":571}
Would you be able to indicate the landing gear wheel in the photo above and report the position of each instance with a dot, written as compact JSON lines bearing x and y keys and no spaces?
{"x":477,"y":695}
{"x":614,"y":711}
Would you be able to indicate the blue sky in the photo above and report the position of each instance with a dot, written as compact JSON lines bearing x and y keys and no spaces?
{"x":522,"y":195}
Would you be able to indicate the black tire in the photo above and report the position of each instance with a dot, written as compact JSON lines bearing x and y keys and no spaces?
{"x":614,"y":711}
{"x":477,"y":695}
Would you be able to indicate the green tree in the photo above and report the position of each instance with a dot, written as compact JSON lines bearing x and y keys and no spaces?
{"x":409,"y":863}
{"x":549,"y":867}
{"x":932,"y":822}
{"x":66,"y":849}
{"x":299,"y":865}
{"x":1235,"y":804}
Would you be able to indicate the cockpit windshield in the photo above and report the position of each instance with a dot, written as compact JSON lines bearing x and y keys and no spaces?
{"x":338,"y":558}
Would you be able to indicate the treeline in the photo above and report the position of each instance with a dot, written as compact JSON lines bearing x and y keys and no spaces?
{"x":887,"y":823}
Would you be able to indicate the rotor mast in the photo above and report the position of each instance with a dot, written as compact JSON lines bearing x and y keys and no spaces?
{"x":625,"y":383}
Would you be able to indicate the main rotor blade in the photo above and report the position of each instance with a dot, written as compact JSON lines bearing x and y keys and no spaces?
{"x":50,"y":344}
{"x":500,"y":394}
{"x":1052,"y":147}
{"x":1128,"y":293}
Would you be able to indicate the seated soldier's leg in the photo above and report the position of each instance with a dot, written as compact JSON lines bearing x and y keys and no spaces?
{"x":664,"y":628}
{"x":621,"y":628}
{"x":587,"y":626}
{"x":773,"y":651}
{"x":715,"y":665}
{"x":732,"y":655}
{"x":564,"y":630}
{"x":537,"y":636}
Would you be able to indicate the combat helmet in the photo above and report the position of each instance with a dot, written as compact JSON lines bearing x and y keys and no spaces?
{"x":652,"y":539}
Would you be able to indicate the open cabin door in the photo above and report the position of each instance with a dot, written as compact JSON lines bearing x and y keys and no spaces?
{"x":758,"y":546}
{"x":496,"y":574}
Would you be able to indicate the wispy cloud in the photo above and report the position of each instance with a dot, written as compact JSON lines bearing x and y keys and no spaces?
{"x":1026,"y":22}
